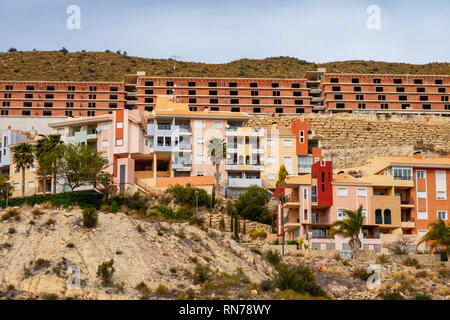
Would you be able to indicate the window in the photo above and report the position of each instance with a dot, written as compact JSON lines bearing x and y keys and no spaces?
{"x":402,"y":98}
{"x":119,"y":125}
{"x":236,"y":109}
{"x":9,"y":87}
{"x":253,"y":84}
{"x":254,"y":93}
{"x":304,"y":162}
{"x":423,"y":98}
{"x":342,"y":192}
{"x":406,"y":106}
{"x":379,"y":89}
{"x":192,"y":100}
{"x":270,"y":143}
{"x":119,"y":142}
{"x":299,"y":110}
{"x":357,"y":89}
{"x":213,"y":92}
{"x":362,"y":192}
{"x":234,"y":101}
{"x":111,"y":105}
{"x":441,"y":90}
{"x":148,"y":100}
{"x":381,"y":97}
{"x":30,"y":87}
{"x":191,"y":84}
{"x":421,"y":195}
{"x":359,"y":97}
{"x":400,"y":89}
{"x":340,"y":105}
{"x":148,"y":83}
{"x":16,"y":186}
{"x":200,"y":158}
{"x":341,"y":215}
{"x":420,"y":89}
{"x":305,"y":194}
{"x":336,"y":88}
{"x":218,"y":124}
{"x":426,"y":106}
{"x":287,"y":143}
{"x":233,"y":92}
{"x":402,"y":173}
{"x":212,"y":84}
{"x":256,"y":110}
{"x":276,"y":93}
{"x":355,"y":80}
{"x":334,"y":80}
{"x":295,"y":85}
{"x":51,"y":88}
{"x":278,"y":110}
{"x":441,"y":186}
{"x":92,"y":88}
{"x":270,"y":159}
{"x":26,"y":112}
{"x":199,"y":123}
{"x":361,"y":105}
{"x":46,"y":113}
{"x":271,"y":177}
{"x":232,"y":84}
{"x":422,"y":215}
{"x":31,"y":185}
{"x":113,"y":89}
{"x":438,"y":81}
{"x":170,"y":83}
{"x":200,"y":141}
{"x":215,"y":101}
{"x":298,"y":101}
{"x":301,"y":136}
{"x":442,"y":215}
{"x":105,"y":143}
{"x":387,"y":216}
{"x":418,"y":81}
{"x":421,"y":174}
{"x":275,"y":84}
{"x":200,"y":174}
{"x":48,"y":104}
{"x":255,"y":101}
{"x":338,"y":96}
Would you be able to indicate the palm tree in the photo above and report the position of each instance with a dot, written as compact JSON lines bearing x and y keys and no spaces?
{"x":439,"y":234}
{"x":48,"y":151}
{"x":217,"y":150}
{"x":23,"y":158}
{"x":350,"y":228}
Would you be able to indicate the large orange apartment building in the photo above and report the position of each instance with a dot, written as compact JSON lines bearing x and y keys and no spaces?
{"x":60,"y":98}
{"x":319,"y":91}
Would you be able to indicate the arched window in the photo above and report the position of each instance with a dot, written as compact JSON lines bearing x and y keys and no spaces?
{"x":247,"y":159}
{"x":378,"y":217}
{"x":387,"y":216}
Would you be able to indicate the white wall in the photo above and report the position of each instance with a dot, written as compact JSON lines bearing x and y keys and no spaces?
{"x":40,"y":124}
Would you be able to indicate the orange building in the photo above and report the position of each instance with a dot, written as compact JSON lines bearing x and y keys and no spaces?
{"x":60,"y":98}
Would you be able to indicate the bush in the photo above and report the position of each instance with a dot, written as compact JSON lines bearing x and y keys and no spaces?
{"x":90,"y":217}
{"x":105,"y":271}
{"x":11,"y":230}
{"x":273,"y":257}
{"x":41,"y":264}
{"x":421,"y":296}
{"x":114,"y":207}
{"x":391,"y":295}
{"x":83,"y":199}
{"x":197,"y":221}
{"x":201,"y":274}
{"x":144,"y":290}
{"x":362,"y":273}
{"x":266,"y":285}
{"x":186,"y":195}
{"x":50,"y":296}
{"x":383,"y":258}
{"x":162,"y":290}
{"x":297,"y":278}
{"x":252,"y":205}
{"x":184,"y":213}
{"x":37,"y":212}
{"x":11,"y":213}
{"x":411,"y":262}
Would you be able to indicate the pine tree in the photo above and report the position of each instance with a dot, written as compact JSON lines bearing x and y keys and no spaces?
{"x":222,"y":224}
{"x":236,"y":228}
{"x":282,"y":174}
{"x":243,"y":229}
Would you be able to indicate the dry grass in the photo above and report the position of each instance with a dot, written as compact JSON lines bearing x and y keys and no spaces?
{"x":111,"y":66}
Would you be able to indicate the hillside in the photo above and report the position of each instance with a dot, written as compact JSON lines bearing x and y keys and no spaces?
{"x":111,"y":66}
{"x":37,"y":249}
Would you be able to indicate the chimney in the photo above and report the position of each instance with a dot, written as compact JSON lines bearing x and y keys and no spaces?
{"x":417,"y":155}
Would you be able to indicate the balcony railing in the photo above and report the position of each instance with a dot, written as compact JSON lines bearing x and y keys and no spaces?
{"x":244,"y":182}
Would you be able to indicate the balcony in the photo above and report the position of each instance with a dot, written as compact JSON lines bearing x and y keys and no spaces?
{"x":244,"y":182}
{"x":231,"y":132}
{"x":161,"y":148}
{"x":257,"y":150}
{"x":162,"y":131}
{"x":185,"y":129}
{"x":232,"y":148}
{"x":181,"y":165}
{"x":407,"y":203}
{"x":257,"y":132}
{"x":408,"y":224}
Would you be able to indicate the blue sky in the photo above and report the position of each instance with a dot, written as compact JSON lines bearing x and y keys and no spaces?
{"x":411,"y":31}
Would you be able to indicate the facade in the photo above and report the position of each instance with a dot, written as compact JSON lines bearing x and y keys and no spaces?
{"x":8,"y":138}
{"x":385,"y":92}
{"x":318,"y":91}
{"x":398,"y":195}
{"x":60,"y":98}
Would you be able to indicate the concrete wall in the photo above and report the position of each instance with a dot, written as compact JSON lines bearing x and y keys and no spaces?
{"x":38,"y":124}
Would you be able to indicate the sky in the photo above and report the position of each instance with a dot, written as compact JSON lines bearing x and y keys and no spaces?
{"x":411,"y":31}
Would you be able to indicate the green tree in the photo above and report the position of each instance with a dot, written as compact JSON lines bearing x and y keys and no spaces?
{"x":217,"y":150}
{"x":350,"y":227}
{"x":252,"y":205}
{"x":23,"y":157}
{"x":81,"y":165}
{"x":5,"y":187}
{"x":162,"y":210}
{"x":48,"y":151}
{"x":282,"y":174}
{"x":439,"y":235}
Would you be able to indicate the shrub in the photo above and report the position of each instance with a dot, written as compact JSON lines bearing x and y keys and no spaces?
{"x":201,"y":274}
{"x":222,"y":224}
{"x":90,"y":217}
{"x":411,"y":262}
{"x":83,"y":199}
{"x":50,"y":296}
{"x":144,"y":290}
{"x":266,"y":285}
{"x":139,"y":228}
{"x":383,"y":259}
{"x":11,"y":230}
{"x":162,"y":290}
{"x":186,"y":195}
{"x":37,"y":212}
{"x":421,"y":274}
{"x":70,"y":245}
{"x":255,"y":250}
{"x":252,"y":205}
{"x":421,"y":296}
{"x":105,"y":271}
{"x":391,"y":295}
{"x":50,"y":222}
{"x":297,"y":278}
{"x":114,"y":207}
{"x":11,"y":213}
{"x":362,"y":273}
{"x":273,"y":257}
{"x":41,"y":264}
{"x":184,"y":213}
{"x":197,"y":221}
{"x":173,"y":270}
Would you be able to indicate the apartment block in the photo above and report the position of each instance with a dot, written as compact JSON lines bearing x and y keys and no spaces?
{"x":255,"y":96}
{"x":385,"y":92}
{"x":8,"y":138}
{"x":398,"y":195}
{"x":60,"y":98}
